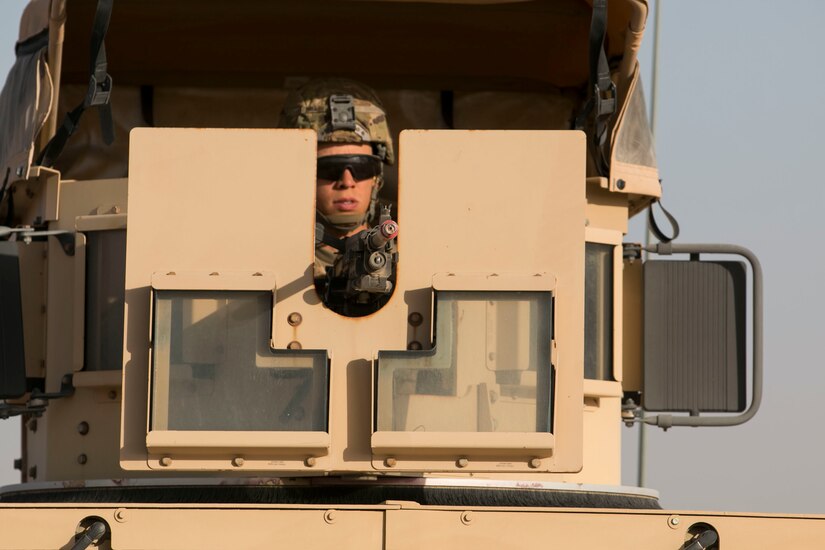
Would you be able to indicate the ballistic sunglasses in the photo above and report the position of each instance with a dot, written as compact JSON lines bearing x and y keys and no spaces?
{"x":331,"y":167}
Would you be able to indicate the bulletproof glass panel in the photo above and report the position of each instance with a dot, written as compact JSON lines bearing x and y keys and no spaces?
{"x":213,"y":369}
{"x":694,"y":336}
{"x":12,"y":358}
{"x":105,"y":282}
{"x":634,"y":143}
{"x":490,"y":370}
{"x":598,"y":312}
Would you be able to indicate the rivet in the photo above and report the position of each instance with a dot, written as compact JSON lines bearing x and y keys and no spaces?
{"x":294,"y":319}
{"x":120,"y":515}
{"x":112,"y":394}
{"x":330,"y":516}
{"x":82,"y":458}
{"x":390,"y":462}
{"x":295,"y":344}
{"x":166,"y":461}
{"x":620,"y":184}
{"x":466,"y":518}
{"x":414,"y":346}
{"x":462,"y":462}
{"x":535,"y":462}
{"x":310,"y":461}
{"x":83,"y":428}
{"x":673,"y":521}
{"x":415,"y":319}
{"x":238,"y":461}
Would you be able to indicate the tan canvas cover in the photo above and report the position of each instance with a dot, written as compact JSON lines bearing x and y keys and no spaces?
{"x":26,"y":99}
{"x":633,"y":168}
{"x":35,"y":18}
{"x":472,"y":53}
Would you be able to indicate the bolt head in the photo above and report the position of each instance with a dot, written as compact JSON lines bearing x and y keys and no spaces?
{"x":294,"y":319}
{"x":673,"y":521}
{"x":390,"y":462}
{"x":166,"y":461}
{"x":535,"y":462}
{"x":82,"y":458}
{"x":295,"y":344}
{"x":238,"y":461}
{"x":415,"y":319}
{"x":83,"y":428}
{"x":310,"y":461}
{"x":120,"y":515}
{"x":462,"y":462}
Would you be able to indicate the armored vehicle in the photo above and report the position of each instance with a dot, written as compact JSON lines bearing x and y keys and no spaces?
{"x":458,"y":377}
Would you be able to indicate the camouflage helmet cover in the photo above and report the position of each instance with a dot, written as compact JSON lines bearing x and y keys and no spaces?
{"x":328,"y":105}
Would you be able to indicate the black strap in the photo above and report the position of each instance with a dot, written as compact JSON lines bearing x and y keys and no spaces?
{"x":5,"y":185}
{"x":448,"y":108}
{"x":601,"y":101}
{"x":321,"y":237}
{"x":32,"y":44}
{"x":654,"y":227}
{"x":97,"y":96}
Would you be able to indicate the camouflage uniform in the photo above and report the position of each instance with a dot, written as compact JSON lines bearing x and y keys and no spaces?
{"x":327,"y":106}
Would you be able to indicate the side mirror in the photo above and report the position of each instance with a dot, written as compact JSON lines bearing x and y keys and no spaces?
{"x":695,"y":334}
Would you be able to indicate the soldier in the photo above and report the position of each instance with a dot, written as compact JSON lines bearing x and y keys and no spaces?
{"x":354,"y":143}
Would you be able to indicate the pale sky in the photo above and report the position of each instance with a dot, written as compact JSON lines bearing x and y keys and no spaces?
{"x":739,"y":139}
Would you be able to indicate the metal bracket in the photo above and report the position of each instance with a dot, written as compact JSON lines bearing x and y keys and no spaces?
{"x":38,"y":401}
{"x":631,"y":251}
{"x":28,"y":234}
{"x":342,"y":112}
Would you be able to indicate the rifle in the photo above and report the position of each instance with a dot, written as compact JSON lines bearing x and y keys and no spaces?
{"x":360,"y":280}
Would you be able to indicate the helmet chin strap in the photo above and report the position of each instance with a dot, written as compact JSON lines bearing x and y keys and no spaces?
{"x":341,"y":223}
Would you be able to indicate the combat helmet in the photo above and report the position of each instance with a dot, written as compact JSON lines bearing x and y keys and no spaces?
{"x":342,"y":111}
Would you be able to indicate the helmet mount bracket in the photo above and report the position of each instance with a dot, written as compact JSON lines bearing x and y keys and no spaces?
{"x":341,"y":112}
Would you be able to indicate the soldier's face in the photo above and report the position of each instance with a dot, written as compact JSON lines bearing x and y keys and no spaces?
{"x":346,"y":195}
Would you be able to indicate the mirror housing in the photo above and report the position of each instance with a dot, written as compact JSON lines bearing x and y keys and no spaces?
{"x":695,"y":334}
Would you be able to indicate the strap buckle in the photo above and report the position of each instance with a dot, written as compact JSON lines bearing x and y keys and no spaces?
{"x":98,"y":92}
{"x":604,"y":100}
